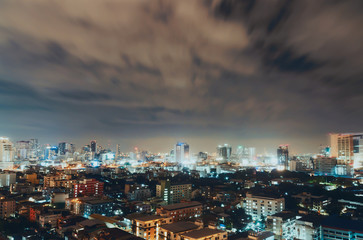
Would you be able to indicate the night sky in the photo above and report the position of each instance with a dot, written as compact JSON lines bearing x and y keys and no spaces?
{"x":147,"y":73}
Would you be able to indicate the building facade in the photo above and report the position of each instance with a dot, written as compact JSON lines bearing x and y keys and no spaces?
{"x":262,"y":206}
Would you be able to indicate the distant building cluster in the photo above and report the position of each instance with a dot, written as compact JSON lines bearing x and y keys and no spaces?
{"x":96,"y":192}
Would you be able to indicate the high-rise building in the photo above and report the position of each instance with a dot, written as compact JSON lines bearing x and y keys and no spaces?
{"x":181,"y":152}
{"x":347,"y":148}
{"x":283,"y":156}
{"x":118,"y":150}
{"x":6,"y":153}
{"x":34,"y":148}
{"x":22,"y":149}
{"x":325,"y":165}
{"x":93,"y":146}
{"x":246,"y":155}
{"x":63,"y":148}
{"x":224,"y":152}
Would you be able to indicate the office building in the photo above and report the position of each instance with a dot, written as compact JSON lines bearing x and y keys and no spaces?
{"x":224,"y":152}
{"x":22,"y":149}
{"x":64,"y":148}
{"x":173,"y":192}
{"x":283,"y":156}
{"x":181,"y":152}
{"x":6,"y":153}
{"x":347,"y":148}
{"x":93,"y":146}
{"x":246,"y":155}
{"x":181,"y":211}
{"x":258,"y":206}
{"x":34,"y":148}
{"x":325,"y":165}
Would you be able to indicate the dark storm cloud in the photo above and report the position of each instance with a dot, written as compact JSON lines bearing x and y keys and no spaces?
{"x":237,"y":69}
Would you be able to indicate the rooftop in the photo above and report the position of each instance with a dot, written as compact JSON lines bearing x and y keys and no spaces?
{"x":181,"y":205}
{"x":179,"y":227}
{"x":201,"y":233}
{"x":145,"y":218}
{"x":343,"y":224}
{"x":284,"y":215}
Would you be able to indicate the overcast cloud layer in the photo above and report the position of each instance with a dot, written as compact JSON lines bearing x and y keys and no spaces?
{"x":150,"y":72}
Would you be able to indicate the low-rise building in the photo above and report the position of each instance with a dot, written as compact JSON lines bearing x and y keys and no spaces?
{"x":308,"y":227}
{"x":50,"y":219}
{"x":181,"y":211}
{"x":282,"y":224}
{"x":148,"y":226}
{"x":205,"y":233}
{"x":7,"y":207}
{"x":339,"y":228}
{"x":173,"y":231}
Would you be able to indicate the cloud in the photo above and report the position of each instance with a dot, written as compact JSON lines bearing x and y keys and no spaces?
{"x":163,"y":67}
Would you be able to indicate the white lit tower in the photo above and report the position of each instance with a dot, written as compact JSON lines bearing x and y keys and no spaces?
{"x":6,"y":153}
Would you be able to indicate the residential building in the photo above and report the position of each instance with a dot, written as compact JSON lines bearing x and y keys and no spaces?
{"x":258,"y":206}
{"x":7,"y":178}
{"x":148,"y":226}
{"x":173,"y":231}
{"x":181,"y":211}
{"x":339,"y":228}
{"x":50,"y":219}
{"x":174,"y":192}
{"x":87,"y":187}
{"x":51,"y":180}
{"x":7,"y":207}
{"x":205,"y":233}
{"x":282,"y":224}
{"x":308,"y":227}
{"x":98,"y":206}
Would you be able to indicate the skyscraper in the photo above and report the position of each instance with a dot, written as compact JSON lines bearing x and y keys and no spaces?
{"x":347,"y":148}
{"x":181,"y":152}
{"x":224,"y":152}
{"x":283,"y":156}
{"x":34,"y":148}
{"x":118,"y":150}
{"x":6,"y":153}
{"x":22,"y":149}
{"x":93,"y":146}
{"x":62,"y":148}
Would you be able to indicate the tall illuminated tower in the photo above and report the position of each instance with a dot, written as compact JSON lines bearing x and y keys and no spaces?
{"x":181,"y":152}
{"x":93,"y":146}
{"x":6,"y":153}
{"x":283,"y":156}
